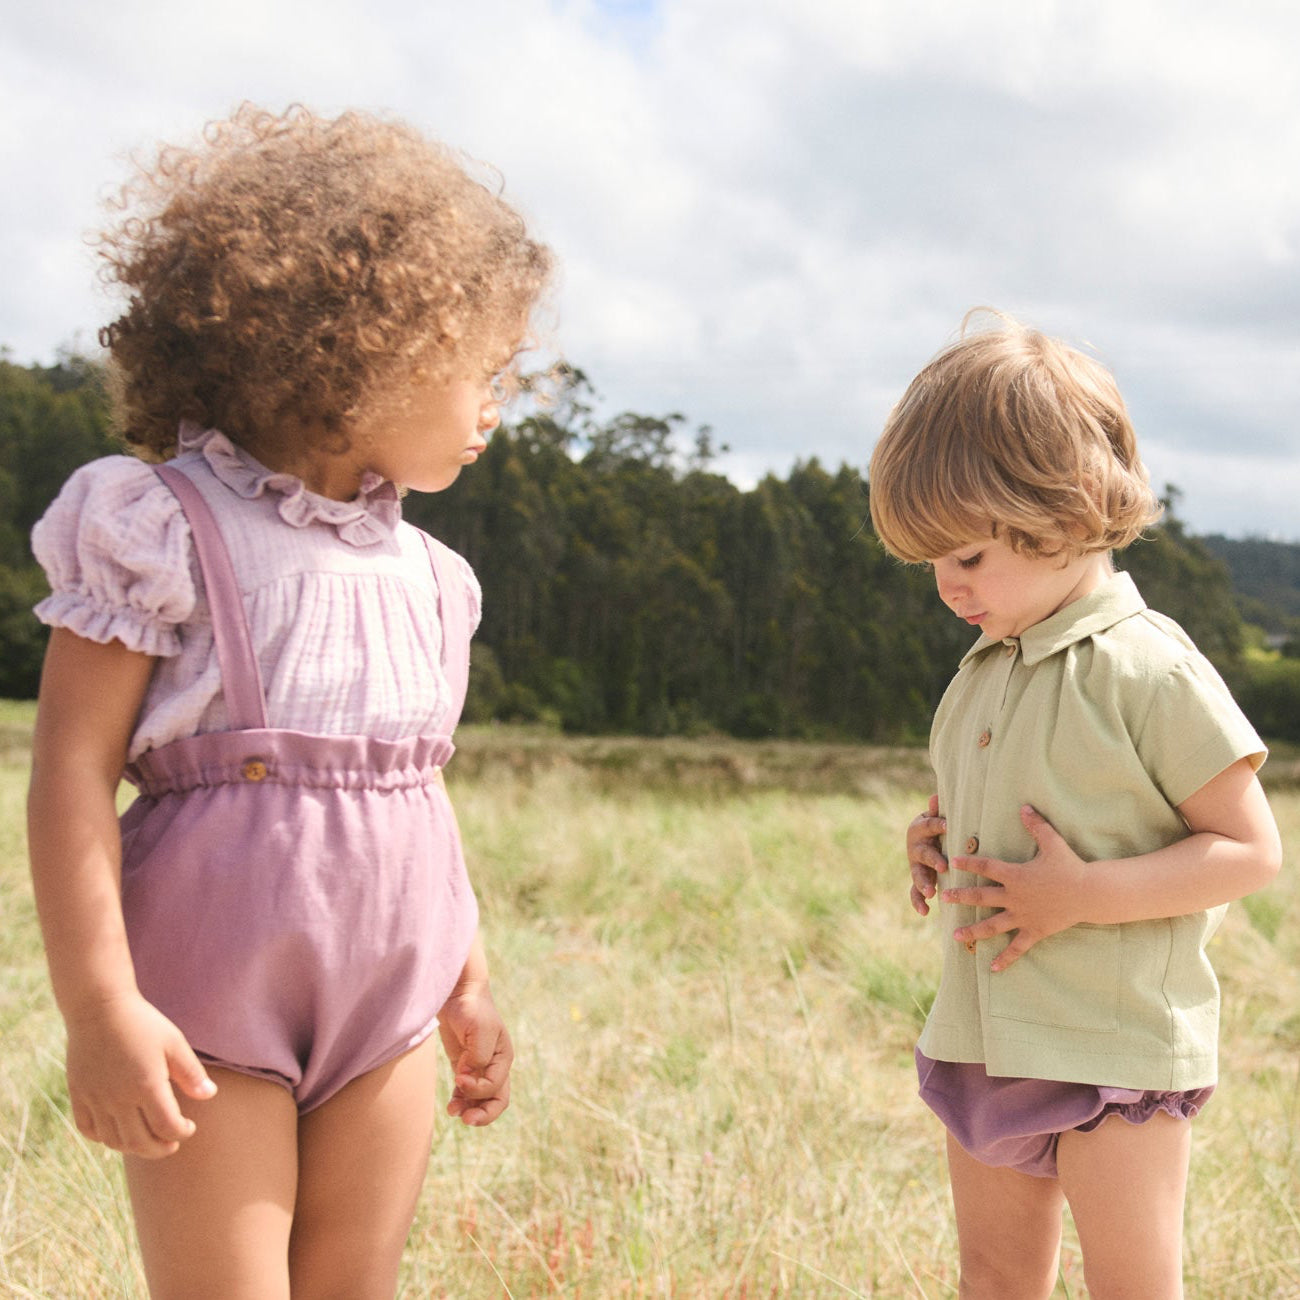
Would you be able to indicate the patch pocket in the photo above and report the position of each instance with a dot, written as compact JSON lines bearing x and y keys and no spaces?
{"x":1070,"y":980}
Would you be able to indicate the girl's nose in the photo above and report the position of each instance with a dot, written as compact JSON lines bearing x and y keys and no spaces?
{"x":489,"y":417}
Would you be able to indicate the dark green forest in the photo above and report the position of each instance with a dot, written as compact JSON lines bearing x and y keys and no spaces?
{"x":629,"y":587}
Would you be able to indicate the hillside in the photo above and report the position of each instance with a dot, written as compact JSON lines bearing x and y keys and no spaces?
{"x":1265,"y":576}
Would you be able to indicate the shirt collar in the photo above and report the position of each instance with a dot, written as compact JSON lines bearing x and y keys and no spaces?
{"x":1115,"y":600}
{"x":371,"y":516}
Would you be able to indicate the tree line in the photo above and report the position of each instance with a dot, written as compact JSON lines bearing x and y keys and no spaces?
{"x":630,"y":587}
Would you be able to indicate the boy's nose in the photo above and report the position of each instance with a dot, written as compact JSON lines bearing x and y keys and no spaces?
{"x":946,"y":585}
{"x":489,"y":417}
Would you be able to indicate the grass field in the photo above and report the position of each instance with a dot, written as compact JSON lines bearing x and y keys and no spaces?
{"x":714,"y":982}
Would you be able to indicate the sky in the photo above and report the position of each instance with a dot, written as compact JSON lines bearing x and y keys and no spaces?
{"x":769,"y":214}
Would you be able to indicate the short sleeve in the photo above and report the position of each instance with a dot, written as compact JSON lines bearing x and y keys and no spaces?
{"x":116,"y":549}
{"x":1194,"y":730}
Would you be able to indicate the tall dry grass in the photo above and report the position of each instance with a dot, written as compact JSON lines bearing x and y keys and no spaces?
{"x":714,"y":982}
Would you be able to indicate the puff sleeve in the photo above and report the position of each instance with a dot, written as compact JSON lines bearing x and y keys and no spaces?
{"x":116,"y":549}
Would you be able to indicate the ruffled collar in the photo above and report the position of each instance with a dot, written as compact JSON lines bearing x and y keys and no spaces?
{"x":371,"y":516}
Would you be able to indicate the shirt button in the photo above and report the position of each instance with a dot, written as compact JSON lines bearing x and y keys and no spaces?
{"x":973,"y":844}
{"x":253,"y":770}
{"x":985,"y":738}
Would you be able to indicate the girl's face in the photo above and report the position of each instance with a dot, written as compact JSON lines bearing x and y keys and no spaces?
{"x":424,"y":441}
{"x":1003,"y":593}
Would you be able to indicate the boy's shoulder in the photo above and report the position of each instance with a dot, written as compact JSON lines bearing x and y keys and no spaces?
{"x":1146,"y":641}
{"x":1149,"y":657}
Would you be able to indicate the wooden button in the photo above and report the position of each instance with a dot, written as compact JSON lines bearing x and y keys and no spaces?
{"x":973,"y":844}
{"x":253,"y":770}
{"x":985,"y":738}
{"x":970,"y":945}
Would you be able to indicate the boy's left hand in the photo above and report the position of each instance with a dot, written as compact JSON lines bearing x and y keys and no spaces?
{"x":1034,"y":898}
{"x":480,"y":1053}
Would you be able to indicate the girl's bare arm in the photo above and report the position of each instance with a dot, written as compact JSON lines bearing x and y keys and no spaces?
{"x":122,"y":1053}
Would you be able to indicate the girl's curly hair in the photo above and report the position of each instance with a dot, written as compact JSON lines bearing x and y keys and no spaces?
{"x":284,"y":273}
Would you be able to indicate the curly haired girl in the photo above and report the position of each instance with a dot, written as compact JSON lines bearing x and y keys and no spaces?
{"x":252,"y":963}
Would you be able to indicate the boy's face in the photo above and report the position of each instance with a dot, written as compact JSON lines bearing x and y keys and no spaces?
{"x":1002,"y":592}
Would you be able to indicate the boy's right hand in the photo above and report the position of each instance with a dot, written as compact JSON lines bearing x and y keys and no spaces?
{"x":924,"y":857}
{"x":122,"y":1060}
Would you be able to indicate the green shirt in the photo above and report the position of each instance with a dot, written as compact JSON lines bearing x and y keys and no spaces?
{"x":1104,"y":717}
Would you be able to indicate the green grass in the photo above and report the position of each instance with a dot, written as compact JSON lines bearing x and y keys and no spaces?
{"x":714,"y":981}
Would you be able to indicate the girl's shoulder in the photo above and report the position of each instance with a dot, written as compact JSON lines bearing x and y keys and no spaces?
{"x":116,"y":549}
{"x":460,"y":571}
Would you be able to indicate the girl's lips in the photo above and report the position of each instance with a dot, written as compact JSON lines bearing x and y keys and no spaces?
{"x":975,"y":619}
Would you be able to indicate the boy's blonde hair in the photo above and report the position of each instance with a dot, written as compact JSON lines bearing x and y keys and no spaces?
{"x":1010,"y":430}
{"x":289,"y":270}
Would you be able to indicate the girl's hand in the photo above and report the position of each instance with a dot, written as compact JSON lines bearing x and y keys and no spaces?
{"x":1035,"y":898}
{"x":924,"y":857}
{"x":480,"y":1053}
{"x":122,"y":1061}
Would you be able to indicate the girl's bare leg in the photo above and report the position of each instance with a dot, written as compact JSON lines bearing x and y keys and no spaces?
{"x":1126,"y":1184}
{"x":214,"y":1218}
{"x":1008,"y":1229}
{"x":362,"y":1159}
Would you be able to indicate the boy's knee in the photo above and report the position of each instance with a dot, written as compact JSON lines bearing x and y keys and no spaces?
{"x":988,"y":1277}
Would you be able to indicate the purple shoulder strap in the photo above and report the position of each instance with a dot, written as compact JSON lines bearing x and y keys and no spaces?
{"x":453,"y":610}
{"x":241,"y":679}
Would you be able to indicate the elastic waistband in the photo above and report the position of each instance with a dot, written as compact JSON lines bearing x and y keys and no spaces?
{"x":293,"y":758}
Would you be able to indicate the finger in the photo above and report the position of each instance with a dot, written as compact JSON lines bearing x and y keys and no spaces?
{"x":187,"y":1073}
{"x":84,"y":1119}
{"x":482,"y":1080}
{"x":977,"y":896}
{"x":989,"y":867}
{"x":923,"y":879}
{"x":477,"y":1045}
{"x":137,"y":1140}
{"x":925,"y":827}
{"x":1042,"y":831}
{"x":1012,"y":953}
{"x":482,"y":1112}
{"x":933,"y":858}
{"x":107,"y":1131}
{"x":919,"y":905}
{"x":988,"y":928}
{"x":933,"y":805}
{"x":474,"y":1087}
{"x":163,"y":1118}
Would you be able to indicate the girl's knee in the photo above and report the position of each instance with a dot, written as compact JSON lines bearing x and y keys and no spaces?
{"x":325,"y":1266}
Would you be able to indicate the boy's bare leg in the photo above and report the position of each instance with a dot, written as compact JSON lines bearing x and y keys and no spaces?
{"x":1126,"y":1184}
{"x":1008,"y":1228}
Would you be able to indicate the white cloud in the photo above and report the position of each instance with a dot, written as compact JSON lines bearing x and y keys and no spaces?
{"x":771,"y":212}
